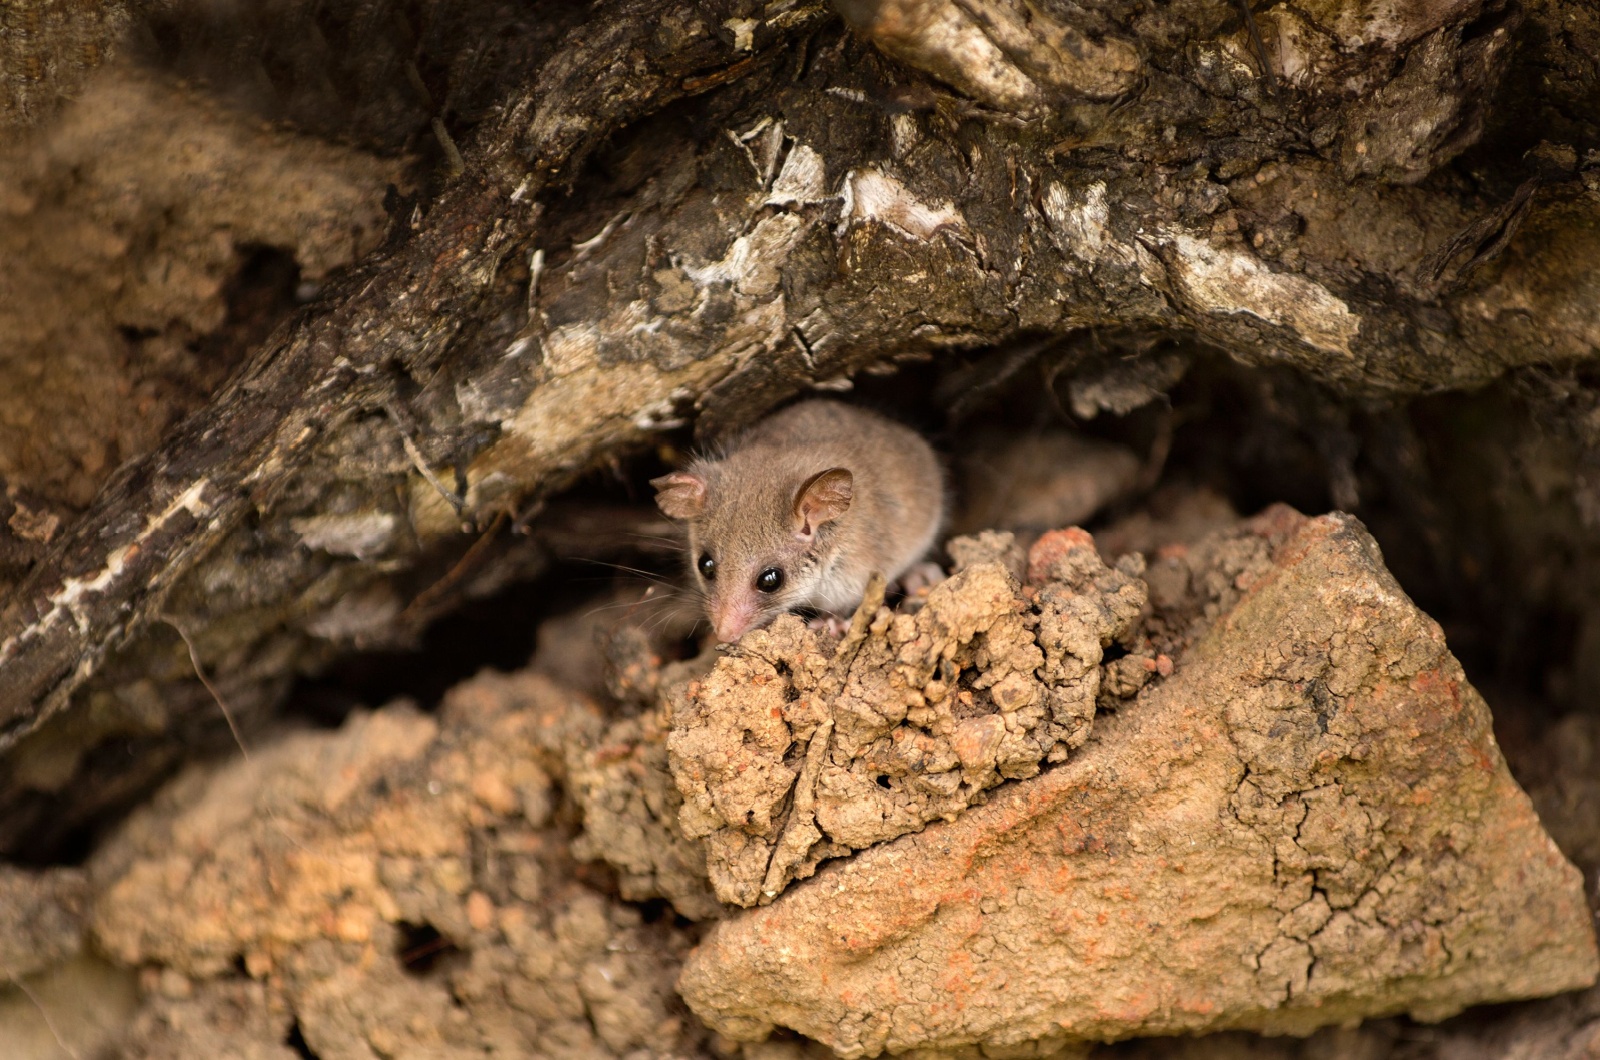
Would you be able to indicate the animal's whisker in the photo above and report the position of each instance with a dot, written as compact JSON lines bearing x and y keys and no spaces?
{"x":658,"y":622}
{"x":651,"y":576}
{"x":643,"y":601}
{"x":673,"y":544}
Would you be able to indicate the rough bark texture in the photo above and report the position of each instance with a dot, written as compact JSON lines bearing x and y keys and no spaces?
{"x":818,"y":208}
{"x":321,"y":429}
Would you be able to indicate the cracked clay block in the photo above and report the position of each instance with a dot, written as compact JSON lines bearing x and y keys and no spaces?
{"x":1308,"y":823}
{"x":793,"y":750}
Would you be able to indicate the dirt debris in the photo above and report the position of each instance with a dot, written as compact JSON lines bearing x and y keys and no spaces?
{"x":1292,"y":813}
{"x":401,"y":887}
{"x":630,"y":817}
{"x":1170,"y":520}
{"x":1310,"y":823}
{"x":798,"y":747}
{"x":47,"y":50}
{"x":125,"y":222}
{"x":80,"y":1009}
{"x":41,"y":918}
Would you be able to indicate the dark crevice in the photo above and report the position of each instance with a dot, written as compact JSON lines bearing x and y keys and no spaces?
{"x":1258,"y":437}
{"x":423,"y":948}
{"x":497,"y":633}
{"x":296,"y":1040}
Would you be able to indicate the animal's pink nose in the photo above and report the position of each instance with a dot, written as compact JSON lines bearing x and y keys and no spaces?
{"x":732,"y":621}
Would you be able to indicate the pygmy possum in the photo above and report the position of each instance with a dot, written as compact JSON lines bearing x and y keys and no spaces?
{"x":799,"y":511}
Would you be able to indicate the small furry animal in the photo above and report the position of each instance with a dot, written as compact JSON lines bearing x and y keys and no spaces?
{"x":801,"y":509}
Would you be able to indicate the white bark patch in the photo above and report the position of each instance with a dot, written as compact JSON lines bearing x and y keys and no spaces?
{"x":75,"y":590}
{"x":1301,"y":52}
{"x":903,"y":134}
{"x":743,"y":30}
{"x":1079,"y":218}
{"x":1219,"y":280}
{"x":802,"y":180}
{"x":583,"y":248}
{"x":662,"y":415}
{"x":569,"y":348}
{"x":359,"y":534}
{"x":766,"y":149}
{"x":943,"y":38}
{"x":1383,"y":22}
{"x":873,"y":196}
{"x":68,"y":600}
{"x":754,"y":262}
{"x":356,"y":617}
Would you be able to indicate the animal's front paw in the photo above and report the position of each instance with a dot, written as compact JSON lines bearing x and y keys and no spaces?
{"x":921,"y":577}
{"x":829,"y":624}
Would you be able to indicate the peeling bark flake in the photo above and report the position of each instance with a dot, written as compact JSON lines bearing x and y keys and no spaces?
{"x":1217,"y":280}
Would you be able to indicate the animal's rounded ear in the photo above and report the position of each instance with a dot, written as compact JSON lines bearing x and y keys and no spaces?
{"x":824,"y":497}
{"x":680,"y":495}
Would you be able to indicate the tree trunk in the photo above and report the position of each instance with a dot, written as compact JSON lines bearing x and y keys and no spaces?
{"x":687,"y":214}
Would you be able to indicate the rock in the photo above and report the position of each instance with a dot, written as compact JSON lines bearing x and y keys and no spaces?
{"x":401,"y":887}
{"x":1309,"y":823}
{"x":41,"y":918}
{"x":793,"y":750}
{"x":80,"y":1008}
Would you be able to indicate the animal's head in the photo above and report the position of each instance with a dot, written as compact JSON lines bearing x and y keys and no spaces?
{"x":756,"y":549}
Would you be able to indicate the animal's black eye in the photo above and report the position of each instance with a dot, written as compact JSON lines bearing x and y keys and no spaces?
{"x":770,"y":580}
{"x":707,"y":566}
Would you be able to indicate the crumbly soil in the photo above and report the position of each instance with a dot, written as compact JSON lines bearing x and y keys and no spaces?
{"x":522,"y":874}
{"x":402,"y":887}
{"x":800,"y":747}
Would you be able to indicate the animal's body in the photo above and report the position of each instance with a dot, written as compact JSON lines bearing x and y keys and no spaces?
{"x":800,"y":510}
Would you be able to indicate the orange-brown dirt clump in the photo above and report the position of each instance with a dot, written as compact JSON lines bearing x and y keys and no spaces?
{"x":792,"y":750}
{"x":1308,"y":823}
{"x":1242,"y":785}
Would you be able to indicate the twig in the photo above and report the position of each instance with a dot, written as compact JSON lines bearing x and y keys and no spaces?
{"x":455,"y":165}
{"x":1260,"y":47}
{"x":400,"y":421}
{"x":462,"y":568}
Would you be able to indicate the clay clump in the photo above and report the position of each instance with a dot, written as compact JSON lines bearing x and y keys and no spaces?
{"x":796,"y":748}
{"x":1309,"y":823}
{"x":401,"y":887}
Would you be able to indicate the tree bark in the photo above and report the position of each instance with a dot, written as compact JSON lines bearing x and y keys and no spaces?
{"x":690,"y":213}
